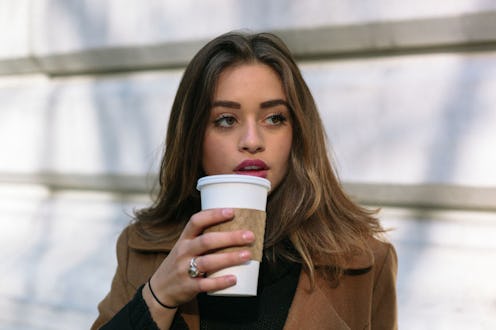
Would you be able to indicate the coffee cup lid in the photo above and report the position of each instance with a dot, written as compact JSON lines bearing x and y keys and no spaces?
{"x":232,"y":178}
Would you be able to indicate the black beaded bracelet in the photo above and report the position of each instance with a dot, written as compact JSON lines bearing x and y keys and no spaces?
{"x":156,"y":299}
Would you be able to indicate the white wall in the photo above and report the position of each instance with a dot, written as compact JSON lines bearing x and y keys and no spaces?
{"x":405,"y":119}
{"x":406,"y":91}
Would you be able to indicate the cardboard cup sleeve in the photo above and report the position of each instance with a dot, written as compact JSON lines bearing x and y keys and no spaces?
{"x":248,"y":219}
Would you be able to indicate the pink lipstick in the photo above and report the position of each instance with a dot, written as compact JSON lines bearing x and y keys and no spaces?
{"x":255,"y":167}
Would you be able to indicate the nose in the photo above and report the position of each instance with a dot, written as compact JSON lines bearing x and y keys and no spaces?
{"x":251,"y":138}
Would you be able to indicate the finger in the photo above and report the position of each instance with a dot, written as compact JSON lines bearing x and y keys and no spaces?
{"x":201,"y":220}
{"x":218,"y":240}
{"x":215,"y":283}
{"x":211,"y":263}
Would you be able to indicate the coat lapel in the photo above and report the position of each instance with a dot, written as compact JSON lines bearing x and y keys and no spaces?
{"x":311,"y":309}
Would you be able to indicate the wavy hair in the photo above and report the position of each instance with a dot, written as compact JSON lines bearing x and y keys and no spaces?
{"x":309,"y":207}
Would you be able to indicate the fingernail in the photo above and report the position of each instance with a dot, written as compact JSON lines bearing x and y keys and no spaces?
{"x":244,"y":255}
{"x":231,"y":279}
{"x":227,"y":212}
{"x":248,"y":236}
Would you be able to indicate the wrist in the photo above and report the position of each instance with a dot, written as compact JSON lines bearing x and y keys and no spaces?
{"x":157,"y":300}
{"x":163,"y":317}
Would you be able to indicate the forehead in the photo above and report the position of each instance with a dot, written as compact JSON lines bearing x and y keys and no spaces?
{"x":249,"y":78}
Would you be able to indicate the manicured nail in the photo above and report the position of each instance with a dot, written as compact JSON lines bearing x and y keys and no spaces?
{"x":231,"y":279}
{"x":228,"y":212}
{"x":248,"y":236}
{"x":244,"y":255}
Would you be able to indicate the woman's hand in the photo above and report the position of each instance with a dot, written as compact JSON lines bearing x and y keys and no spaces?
{"x":171,"y":281}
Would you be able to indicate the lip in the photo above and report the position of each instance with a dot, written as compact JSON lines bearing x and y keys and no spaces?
{"x":254,"y":167}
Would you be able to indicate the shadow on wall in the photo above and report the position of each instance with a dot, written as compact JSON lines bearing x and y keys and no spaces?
{"x":454,"y":124}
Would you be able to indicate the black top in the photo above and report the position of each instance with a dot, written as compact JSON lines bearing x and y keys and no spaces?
{"x":268,"y":310}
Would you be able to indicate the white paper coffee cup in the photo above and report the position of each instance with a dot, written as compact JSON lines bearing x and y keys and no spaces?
{"x":237,"y":192}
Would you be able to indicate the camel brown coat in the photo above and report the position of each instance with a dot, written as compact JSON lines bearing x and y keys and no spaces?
{"x":366,"y":301}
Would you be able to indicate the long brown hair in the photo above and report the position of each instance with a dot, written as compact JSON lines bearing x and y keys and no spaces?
{"x":309,"y":207}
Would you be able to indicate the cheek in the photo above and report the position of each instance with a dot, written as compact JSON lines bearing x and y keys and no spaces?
{"x":213,"y":155}
{"x":205,"y":152}
{"x":282,"y":153}
{"x":286,"y":145}
{"x":287,"y":158}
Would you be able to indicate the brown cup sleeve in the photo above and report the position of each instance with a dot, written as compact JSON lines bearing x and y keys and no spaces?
{"x":247,"y":219}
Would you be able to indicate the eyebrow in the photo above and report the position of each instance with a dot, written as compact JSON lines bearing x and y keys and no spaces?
{"x":263,"y":105}
{"x":273,"y":103}
{"x":227,"y":104}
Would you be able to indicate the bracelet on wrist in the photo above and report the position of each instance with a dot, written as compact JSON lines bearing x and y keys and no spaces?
{"x":156,"y":298}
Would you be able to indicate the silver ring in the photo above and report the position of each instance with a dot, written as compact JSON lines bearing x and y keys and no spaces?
{"x":193,"y":270}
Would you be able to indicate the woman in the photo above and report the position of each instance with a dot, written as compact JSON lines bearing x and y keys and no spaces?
{"x":243,"y":107}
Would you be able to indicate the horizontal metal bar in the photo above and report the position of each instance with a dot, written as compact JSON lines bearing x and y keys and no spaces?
{"x":422,"y":195}
{"x":382,"y":37}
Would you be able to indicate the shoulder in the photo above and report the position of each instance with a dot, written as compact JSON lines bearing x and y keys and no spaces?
{"x":122,"y":240}
{"x":384,"y":302}
{"x":365,"y":295}
{"x":132,"y":238}
{"x":376,"y":254}
{"x":138,"y":257}
{"x":384,"y":255}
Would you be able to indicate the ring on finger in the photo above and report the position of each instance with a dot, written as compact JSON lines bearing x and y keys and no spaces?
{"x":193,"y":270}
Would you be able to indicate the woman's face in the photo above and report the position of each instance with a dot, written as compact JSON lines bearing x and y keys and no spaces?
{"x":249,"y":130}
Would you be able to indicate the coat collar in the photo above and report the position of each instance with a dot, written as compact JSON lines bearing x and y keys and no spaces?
{"x":363,"y":260}
{"x":138,"y":242}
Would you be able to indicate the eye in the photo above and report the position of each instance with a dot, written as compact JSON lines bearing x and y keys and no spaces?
{"x":225,"y":121}
{"x":276,"y":119}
